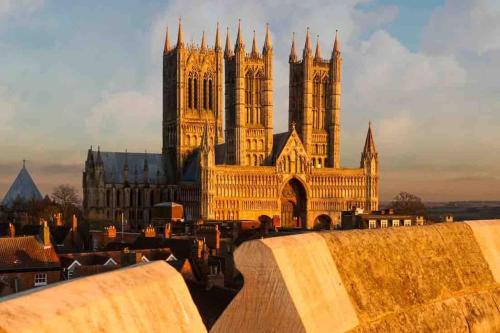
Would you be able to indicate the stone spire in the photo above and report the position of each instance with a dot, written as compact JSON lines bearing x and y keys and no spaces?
{"x":254,"y":45}
{"x":217,"y":39}
{"x":336,"y":44}
{"x":293,"y":53}
{"x":369,"y":149}
{"x":307,"y":45}
{"x":239,"y":39}
{"x":167,"y":43}
{"x":227,"y":50}
{"x":317,"y":54}
{"x":267,"y":42}
{"x":203,"y":43}
{"x":180,"y":35}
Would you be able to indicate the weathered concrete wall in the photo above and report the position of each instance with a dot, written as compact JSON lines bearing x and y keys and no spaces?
{"x":145,"y":298}
{"x":418,"y":279}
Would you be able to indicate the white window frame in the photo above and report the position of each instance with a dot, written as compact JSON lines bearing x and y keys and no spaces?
{"x":372,"y":224}
{"x":407,"y":223}
{"x":40,"y":279}
{"x":384,"y":223}
{"x":395,"y":223}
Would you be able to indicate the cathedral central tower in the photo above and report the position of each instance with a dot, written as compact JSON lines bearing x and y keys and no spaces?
{"x":249,"y":102}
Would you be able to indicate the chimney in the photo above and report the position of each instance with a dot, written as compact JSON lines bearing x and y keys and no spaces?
{"x":74,"y":223}
{"x":217,"y":237}
{"x":12,"y":230}
{"x":149,"y":232}
{"x":168,"y":230}
{"x":58,"y":219}
{"x":46,"y":234}
{"x":110,"y":232}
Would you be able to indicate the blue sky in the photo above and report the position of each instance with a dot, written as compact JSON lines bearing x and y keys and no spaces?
{"x":81,"y":73}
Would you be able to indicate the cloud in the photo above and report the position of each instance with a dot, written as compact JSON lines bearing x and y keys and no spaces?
{"x":463,"y":25}
{"x":9,"y":104}
{"x":128,"y":119}
{"x":9,"y":7}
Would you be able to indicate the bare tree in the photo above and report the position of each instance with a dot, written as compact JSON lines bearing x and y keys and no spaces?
{"x":407,"y":203}
{"x":66,"y":196}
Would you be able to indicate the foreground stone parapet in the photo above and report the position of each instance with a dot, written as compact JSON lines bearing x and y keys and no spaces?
{"x":408,"y":279}
{"x":145,"y":298}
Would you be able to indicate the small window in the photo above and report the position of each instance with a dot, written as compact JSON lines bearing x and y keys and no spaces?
{"x":383,"y":224}
{"x":407,"y":223}
{"x":40,"y":279}
{"x":372,"y":224}
{"x":395,"y":223}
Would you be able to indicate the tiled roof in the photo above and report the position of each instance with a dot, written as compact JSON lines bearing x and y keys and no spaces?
{"x":23,"y":188}
{"x":26,"y":252}
{"x":86,"y":259}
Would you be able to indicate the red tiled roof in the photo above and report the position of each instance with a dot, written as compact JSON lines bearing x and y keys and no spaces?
{"x":26,"y":252}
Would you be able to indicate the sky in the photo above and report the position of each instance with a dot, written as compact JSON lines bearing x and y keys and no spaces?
{"x":80,"y":73}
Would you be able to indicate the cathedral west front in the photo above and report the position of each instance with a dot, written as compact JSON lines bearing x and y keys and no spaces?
{"x":235,"y":167}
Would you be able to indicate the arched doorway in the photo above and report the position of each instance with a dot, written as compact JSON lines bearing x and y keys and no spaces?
{"x":322,"y":222}
{"x":293,"y":205}
{"x":265,"y":221}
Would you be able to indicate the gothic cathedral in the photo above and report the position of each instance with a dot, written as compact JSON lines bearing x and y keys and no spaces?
{"x":242,"y":170}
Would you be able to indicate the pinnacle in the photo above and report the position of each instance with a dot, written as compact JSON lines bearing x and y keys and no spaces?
{"x":217,"y":38}
{"x":267,"y":42}
{"x":293,"y":54}
{"x":254,"y":44}
{"x":203,"y":43}
{"x":166,"y":48}
{"x":318,"y":50}
{"x":180,"y":35}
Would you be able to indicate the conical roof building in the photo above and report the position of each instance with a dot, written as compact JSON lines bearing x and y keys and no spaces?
{"x":23,"y":188}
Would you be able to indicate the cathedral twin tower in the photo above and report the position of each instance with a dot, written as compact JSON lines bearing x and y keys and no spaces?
{"x":192,"y":92}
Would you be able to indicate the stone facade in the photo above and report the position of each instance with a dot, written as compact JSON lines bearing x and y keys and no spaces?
{"x":246,"y":172}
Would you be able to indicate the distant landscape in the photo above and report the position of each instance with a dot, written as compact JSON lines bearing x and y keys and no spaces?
{"x":460,"y":210}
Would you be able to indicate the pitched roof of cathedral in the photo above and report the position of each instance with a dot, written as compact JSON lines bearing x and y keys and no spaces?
{"x":114,"y":163}
{"x":23,"y":188}
{"x":279,"y":141}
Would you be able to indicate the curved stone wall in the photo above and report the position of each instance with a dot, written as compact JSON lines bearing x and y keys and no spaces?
{"x":411,"y":279}
{"x":144,"y":298}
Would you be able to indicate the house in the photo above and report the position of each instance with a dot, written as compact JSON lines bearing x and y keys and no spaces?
{"x":27,"y":262}
{"x":83,"y":264}
{"x":357,"y":219}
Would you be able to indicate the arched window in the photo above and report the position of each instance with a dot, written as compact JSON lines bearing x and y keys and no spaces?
{"x":324,"y":103}
{"x":258,"y":99}
{"x":108,"y":198}
{"x":248,"y":96}
{"x":139,"y":198}
{"x":205,"y":94}
{"x":210,"y":95}
{"x":316,"y":101}
{"x":195,"y":94}
{"x":190,"y":92}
